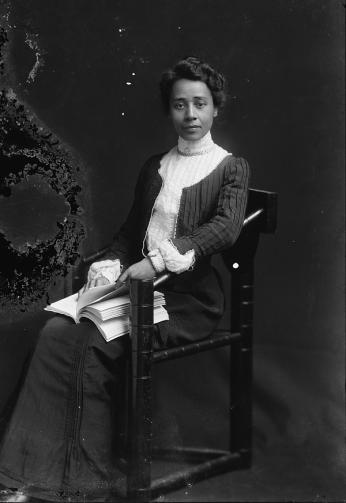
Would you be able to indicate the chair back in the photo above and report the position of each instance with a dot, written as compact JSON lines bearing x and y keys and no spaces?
{"x":261,"y":216}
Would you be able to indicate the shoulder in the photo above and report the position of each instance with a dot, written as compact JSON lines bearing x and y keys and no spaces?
{"x":236,"y":167}
{"x":154,"y":159}
{"x":231,"y":164}
{"x":228,"y":161}
{"x":231,"y":161}
{"x":232,"y":171}
{"x":151,"y":166}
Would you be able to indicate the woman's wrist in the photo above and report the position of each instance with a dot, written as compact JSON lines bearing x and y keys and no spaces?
{"x":167,"y":256}
{"x":156,"y":260}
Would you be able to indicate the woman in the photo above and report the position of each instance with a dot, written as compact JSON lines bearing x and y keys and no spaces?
{"x":189,"y":203}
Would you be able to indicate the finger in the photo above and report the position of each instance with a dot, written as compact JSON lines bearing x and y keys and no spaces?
{"x":124,"y":276}
{"x":101,"y":281}
{"x":95,"y":282}
{"x":81,"y":291}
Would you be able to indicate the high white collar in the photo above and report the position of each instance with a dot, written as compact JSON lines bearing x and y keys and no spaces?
{"x":196,"y":147}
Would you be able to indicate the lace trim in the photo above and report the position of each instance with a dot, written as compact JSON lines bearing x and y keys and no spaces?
{"x":109,"y":269}
{"x":187,"y":152}
{"x":195,"y":147}
{"x":174,"y":260}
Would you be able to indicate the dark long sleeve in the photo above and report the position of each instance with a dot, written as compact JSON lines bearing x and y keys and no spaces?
{"x":223,"y":228}
{"x":127,"y":242}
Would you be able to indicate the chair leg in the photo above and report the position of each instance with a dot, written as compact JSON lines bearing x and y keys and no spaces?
{"x":140,"y":392}
{"x":241,"y":362}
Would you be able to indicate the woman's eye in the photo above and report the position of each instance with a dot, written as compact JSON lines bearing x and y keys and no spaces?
{"x":200,"y":105}
{"x":178,"y":106}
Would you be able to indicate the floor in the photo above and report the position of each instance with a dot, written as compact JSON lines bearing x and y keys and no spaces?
{"x":275,"y":476}
{"x":278,"y":475}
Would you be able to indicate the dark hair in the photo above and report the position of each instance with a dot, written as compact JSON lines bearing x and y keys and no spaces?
{"x":193,"y":68}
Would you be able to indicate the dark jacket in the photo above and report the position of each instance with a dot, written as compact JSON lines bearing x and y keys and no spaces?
{"x":210,"y":218}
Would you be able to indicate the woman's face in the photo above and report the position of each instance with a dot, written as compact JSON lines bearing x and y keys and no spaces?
{"x":191,"y":108}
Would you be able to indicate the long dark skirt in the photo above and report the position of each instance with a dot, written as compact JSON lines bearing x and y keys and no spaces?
{"x":60,"y":435}
{"x":62,"y":441}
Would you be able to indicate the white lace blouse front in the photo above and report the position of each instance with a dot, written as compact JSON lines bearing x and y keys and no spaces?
{"x":183,"y":166}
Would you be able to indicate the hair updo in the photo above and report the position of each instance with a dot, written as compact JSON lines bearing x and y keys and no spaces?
{"x":192,"y":68}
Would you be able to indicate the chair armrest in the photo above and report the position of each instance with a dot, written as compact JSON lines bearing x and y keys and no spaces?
{"x":266,"y":201}
{"x":162,"y":279}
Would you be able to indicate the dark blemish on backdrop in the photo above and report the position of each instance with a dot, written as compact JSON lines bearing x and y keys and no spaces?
{"x":24,"y":220}
{"x":40,"y":212}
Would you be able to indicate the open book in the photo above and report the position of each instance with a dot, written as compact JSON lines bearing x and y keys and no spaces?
{"x":108,"y":306}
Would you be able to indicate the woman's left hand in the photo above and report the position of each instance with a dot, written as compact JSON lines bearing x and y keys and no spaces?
{"x":139,"y":270}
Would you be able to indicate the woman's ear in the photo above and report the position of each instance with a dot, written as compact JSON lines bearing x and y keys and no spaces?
{"x":216,"y":111}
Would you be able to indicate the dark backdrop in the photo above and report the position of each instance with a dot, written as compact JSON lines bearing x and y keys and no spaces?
{"x":96,"y":88}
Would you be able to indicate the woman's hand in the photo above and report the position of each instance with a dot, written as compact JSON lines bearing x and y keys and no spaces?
{"x":139,"y":270}
{"x":101,"y":273}
{"x":90,"y":284}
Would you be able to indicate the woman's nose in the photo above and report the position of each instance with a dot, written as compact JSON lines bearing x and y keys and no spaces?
{"x":190,"y":112}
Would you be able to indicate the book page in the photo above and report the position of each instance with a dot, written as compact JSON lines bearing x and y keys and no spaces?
{"x":116,"y":327}
{"x":66,"y":306}
{"x":102,"y":292}
{"x":160,"y":314}
{"x":71,"y":305}
{"x":118,"y":306}
{"x":110,"y":329}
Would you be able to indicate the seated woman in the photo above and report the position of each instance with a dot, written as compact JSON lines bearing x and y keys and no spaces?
{"x":189,"y":204}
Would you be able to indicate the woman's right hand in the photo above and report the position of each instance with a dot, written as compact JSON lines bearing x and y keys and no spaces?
{"x":100,"y":273}
{"x":99,"y":281}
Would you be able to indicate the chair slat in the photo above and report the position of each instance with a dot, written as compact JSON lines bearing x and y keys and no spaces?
{"x":188,"y":454}
{"x":195,"y":347}
{"x":199,"y":472}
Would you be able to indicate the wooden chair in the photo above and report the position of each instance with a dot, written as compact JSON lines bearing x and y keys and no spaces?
{"x":260,"y":218}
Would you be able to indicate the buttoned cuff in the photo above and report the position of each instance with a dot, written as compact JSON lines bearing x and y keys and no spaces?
{"x":175,"y":261}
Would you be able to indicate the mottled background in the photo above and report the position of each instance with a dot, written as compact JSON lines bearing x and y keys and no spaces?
{"x":88,"y":71}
